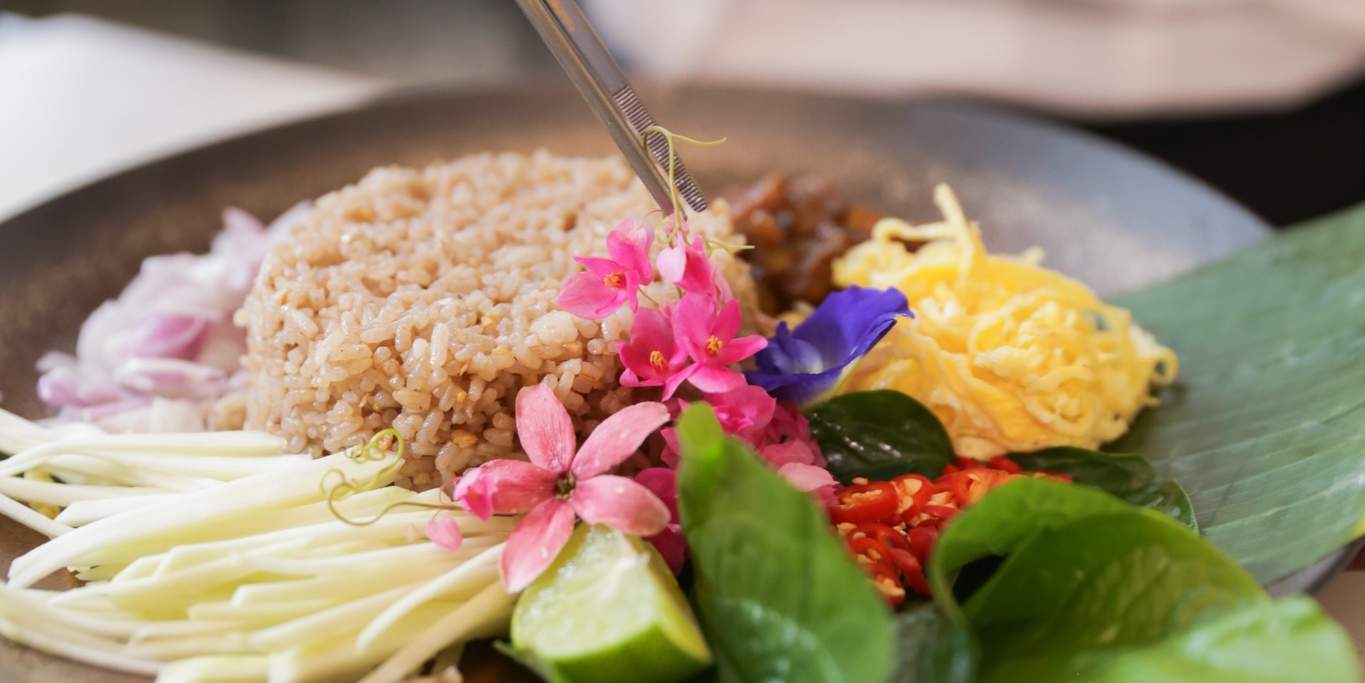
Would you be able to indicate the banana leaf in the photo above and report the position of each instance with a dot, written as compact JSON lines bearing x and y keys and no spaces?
{"x":1265,"y":428}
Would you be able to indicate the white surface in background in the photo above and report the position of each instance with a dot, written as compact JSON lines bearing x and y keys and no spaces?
{"x":81,"y":98}
{"x":1089,"y":56}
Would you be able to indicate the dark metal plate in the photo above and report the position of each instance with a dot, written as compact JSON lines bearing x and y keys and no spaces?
{"x":1111,"y":217}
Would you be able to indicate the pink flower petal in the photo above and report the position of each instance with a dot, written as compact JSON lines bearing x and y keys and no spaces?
{"x":630,"y":379}
{"x":649,"y":333}
{"x":535,"y":543}
{"x":618,"y":437}
{"x":504,"y":487}
{"x":475,"y":493}
{"x":545,"y":429}
{"x":628,"y":245}
{"x":671,"y":546}
{"x":676,"y":379}
{"x":798,"y":452}
{"x":727,"y":322}
{"x":663,"y":483}
{"x":650,"y":329}
{"x":444,"y":532}
{"x":737,"y":350}
{"x":716,"y":379}
{"x":619,"y":503}
{"x":806,"y":478}
{"x":743,"y":411}
{"x":586,"y":296}
{"x":700,"y":274}
{"x":672,"y":446}
{"x":692,"y":324}
{"x":672,"y":263}
{"x":600,"y":267}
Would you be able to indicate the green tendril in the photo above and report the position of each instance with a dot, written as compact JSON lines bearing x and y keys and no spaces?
{"x":370,"y":451}
{"x":673,"y":197}
{"x":713,"y":244}
{"x":390,"y":508}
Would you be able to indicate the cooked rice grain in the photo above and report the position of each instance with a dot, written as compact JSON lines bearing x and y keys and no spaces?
{"x":425,"y":299}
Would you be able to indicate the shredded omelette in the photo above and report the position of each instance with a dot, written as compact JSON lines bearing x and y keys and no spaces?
{"x":1009,"y":355}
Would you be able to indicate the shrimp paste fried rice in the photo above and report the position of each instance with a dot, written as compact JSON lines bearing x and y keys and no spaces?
{"x":425,"y":299}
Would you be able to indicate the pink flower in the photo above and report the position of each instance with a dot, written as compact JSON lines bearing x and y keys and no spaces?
{"x":688,"y":267}
{"x":800,"y":463}
{"x":811,"y":479}
{"x":790,"y":452}
{"x":651,"y":357}
{"x":744,"y":411}
{"x":663,"y":482}
{"x":672,"y":446}
{"x":609,"y":282}
{"x":790,"y":426}
{"x":707,"y":334}
{"x":559,"y":484}
{"x":443,"y":531}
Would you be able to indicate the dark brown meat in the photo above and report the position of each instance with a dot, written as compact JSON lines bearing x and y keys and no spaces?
{"x":798,"y":226}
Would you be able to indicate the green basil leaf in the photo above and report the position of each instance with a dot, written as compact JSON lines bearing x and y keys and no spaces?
{"x":1003,"y":520}
{"x":879,"y":435}
{"x":1094,"y":589}
{"x":1265,"y":427}
{"x":1129,"y":477}
{"x":1278,"y":642}
{"x":1126,"y":577}
{"x":933,"y":649}
{"x":778,"y":595}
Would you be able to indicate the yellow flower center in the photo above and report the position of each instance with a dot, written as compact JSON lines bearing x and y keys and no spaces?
{"x":614,"y":280}
{"x":656,"y":358}
{"x":714,"y":344}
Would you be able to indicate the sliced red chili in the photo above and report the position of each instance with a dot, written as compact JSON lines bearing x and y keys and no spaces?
{"x":1001,"y":462}
{"x":884,"y":534}
{"x":970,"y":486}
{"x":888,"y":584}
{"x":911,"y":571}
{"x":912,"y":494}
{"x":940,"y":512}
{"x":869,"y":547}
{"x":922,"y":540}
{"x":871,"y":502}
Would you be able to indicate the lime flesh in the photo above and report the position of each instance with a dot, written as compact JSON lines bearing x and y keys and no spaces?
{"x":609,"y":610}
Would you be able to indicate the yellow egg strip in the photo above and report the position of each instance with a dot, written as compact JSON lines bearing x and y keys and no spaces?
{"x":1009,"y":355}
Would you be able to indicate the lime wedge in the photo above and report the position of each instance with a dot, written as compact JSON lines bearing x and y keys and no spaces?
{"x":609,"y":610}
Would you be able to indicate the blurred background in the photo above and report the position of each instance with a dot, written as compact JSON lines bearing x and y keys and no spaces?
{"x":1262,"y":98}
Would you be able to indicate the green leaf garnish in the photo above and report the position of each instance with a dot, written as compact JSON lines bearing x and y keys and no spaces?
{"x":779,"y":597}
{"x":1258,"y":642}
{"x":1129,"y":477}
{"x":1094,"y":589}
{"x":933,"y":648}
{"x":879,"y":435}
{"x":1002,"y":521}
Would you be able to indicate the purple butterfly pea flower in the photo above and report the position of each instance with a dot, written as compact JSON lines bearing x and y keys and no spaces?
{"x":804,"y":365}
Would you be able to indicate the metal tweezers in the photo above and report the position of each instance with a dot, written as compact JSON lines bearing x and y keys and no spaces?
{"x":574,"y":43}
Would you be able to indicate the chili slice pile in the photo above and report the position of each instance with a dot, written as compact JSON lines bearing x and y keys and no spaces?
{"x":890,"y":527}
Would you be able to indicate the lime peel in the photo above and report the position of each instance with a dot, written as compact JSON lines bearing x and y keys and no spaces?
{"x":608,"y":610}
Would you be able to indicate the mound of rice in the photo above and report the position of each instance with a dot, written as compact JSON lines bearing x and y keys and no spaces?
{"x":425,"y":299}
